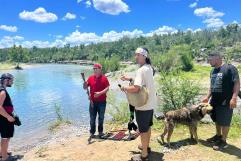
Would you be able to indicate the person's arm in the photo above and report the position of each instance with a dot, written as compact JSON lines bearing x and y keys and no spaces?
{"x":137,"y":84}
{"x":207,"y":97}
{"x":104,"y":91}
{"x":125,"y":78}
{"x":2,"y":110}
{"x":86,"y":84}
{"x":236,"y":88}
{"x":131,"y":89}
{"x":97,"y":94}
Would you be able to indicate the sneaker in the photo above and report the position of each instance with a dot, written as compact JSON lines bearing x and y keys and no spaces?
{"x":214,"y":139}
{"x":92,"y":135}
{"x":220,"y":145}
{"x":101,"y":135}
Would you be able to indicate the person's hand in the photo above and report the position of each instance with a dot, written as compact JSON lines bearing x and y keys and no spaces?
{"x":205,"y":100}
{"x":124,"y":78}
{"x":85,"y":85}
{"x":233,"y":102}
{"x":97,"y":94}
{"x":123,"y":89}
{"x":11,"y":119}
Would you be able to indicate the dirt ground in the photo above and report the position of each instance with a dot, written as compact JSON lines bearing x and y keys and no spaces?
{"x":77,"y":148}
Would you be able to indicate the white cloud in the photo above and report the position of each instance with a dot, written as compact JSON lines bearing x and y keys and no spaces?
{"x":88,"y":4}
{"x":8,"y":28}
{"x":80,"y":38}
{"x":207,"y":12}
{"x":193,"y":5}
{"x":112,"y":7}
{"x":9,"y":41}
{"x":162,"y":31}
{"x":77,"y":37}
{"x":114,"y":36}
{"x":79,"y":1}
{"x":212,"y":18}
{"x":69,"y":16}
{"x":214,"y":22}
{"x":197,"y":30}
{"x":39,"y":15}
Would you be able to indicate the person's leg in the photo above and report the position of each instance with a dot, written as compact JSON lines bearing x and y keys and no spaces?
{"x":225,"y":130}
{"x":4,"y":148}
{"x":149,"y":137}
{"x":218,"y":130}
{"x":101,"y":115}
{"x":93,"y":113}
{"x":144,"y":143}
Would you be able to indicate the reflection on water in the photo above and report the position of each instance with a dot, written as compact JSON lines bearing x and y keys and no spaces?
{"x":36,"y":90}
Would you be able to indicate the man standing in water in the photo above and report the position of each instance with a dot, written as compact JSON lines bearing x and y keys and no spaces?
{"x":6,"y":116}
{"x":144,"y":114}
{"x":99,"y":86}
{"x":224,"y":89}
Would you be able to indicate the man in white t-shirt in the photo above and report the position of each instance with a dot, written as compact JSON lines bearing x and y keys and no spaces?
{"x":144,"y":114}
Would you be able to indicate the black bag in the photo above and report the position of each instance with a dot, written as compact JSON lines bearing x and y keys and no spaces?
{"x":17,"y":121}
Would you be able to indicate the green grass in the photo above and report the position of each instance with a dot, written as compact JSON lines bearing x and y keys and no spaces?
{"x":6,"y":66}
{"x":59,"y":120}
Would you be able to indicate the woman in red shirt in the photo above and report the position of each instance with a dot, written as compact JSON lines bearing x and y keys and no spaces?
{"x":99,"y":86}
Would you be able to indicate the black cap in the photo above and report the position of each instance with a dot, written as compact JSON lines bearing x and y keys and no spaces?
{"x":215,"y":53}
{"x":6,"y":76}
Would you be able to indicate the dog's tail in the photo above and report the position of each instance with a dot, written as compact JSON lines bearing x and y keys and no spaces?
{"x":159,"y":116}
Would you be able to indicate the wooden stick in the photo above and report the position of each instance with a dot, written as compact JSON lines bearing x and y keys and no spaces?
{"x":88,"y":92}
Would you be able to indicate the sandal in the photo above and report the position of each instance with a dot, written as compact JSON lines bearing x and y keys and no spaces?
{"x":140,"y":158}
{"x":148,"y":149}
{"x":9,"y":153}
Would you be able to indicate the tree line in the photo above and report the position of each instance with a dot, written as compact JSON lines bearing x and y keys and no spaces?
{"x":164,"y":49}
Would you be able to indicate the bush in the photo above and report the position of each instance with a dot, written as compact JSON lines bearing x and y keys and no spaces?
{"x":177,"y":92}
{"x":109,"y":65}
{"x":179,"y":57}
{"x":118,"y":110}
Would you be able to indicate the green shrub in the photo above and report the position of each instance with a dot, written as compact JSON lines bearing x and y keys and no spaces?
{"x":177,"y":92}
{"x":118,"y":110}
{"x":110,"y":65}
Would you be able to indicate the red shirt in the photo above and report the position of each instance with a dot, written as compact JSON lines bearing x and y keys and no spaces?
{"x":98,"y":85}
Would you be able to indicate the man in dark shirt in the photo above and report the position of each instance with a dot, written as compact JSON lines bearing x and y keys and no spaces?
{"x":6,"y":116}
{"x":224,"y":89}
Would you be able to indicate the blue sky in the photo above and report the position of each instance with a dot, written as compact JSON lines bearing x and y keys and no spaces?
{"x":47,"y":23}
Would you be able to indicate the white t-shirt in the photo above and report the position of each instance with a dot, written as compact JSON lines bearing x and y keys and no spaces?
{"x":144,"y":77}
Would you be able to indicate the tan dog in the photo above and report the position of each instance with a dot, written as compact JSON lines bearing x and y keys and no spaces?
{"x":187,"y":116}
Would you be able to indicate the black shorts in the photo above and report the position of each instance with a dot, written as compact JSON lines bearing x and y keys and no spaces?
{"x":222,"y":115}
{"x":144,"y":120}
{"x":6,"y":128}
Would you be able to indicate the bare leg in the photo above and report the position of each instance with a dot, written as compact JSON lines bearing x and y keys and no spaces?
{"x":149,"y":137}
{"x":144,"y":143}
{"x":225,"y":130}
{"x":218,"y":130}
{"x":4,"y":148}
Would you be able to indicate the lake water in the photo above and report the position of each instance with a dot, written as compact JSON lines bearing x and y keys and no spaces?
{"x":35,"y":92}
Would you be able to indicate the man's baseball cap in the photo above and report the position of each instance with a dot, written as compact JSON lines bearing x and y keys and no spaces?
{"x":6,"y":76}
{"x":98,"y":66}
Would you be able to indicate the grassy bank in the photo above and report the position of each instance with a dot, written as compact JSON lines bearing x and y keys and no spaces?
{"x":7,"y":66}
